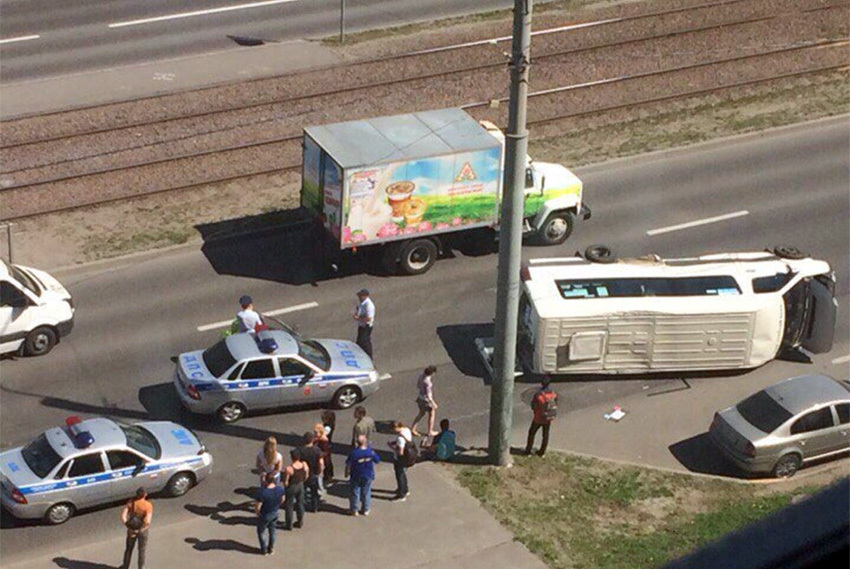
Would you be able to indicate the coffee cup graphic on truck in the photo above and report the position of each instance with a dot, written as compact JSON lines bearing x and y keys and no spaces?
{"x":398,"y":196}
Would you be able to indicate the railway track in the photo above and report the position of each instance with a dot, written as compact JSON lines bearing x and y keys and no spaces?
{"x":201,"y":167}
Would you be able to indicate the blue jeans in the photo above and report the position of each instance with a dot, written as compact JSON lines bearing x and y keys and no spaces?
{"x":266,"y":524}
{"x":361,"y":489}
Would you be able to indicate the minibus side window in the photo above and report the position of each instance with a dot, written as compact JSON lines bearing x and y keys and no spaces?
{"x":771,"y":283}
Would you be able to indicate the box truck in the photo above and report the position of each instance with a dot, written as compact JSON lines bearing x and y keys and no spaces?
{"x":408,"y":187}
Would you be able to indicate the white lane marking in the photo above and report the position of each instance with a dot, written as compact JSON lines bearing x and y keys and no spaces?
{"x":508,"y":38}
{"x":20,"y":38}
{"x":698,"y":222}
{"x":199,"y":13}
{"x":286,"y":310}
{"x":841,"y":360}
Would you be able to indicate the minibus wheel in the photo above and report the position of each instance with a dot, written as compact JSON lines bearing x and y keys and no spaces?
{"x":40,"y":341}
{"x":600,"y":254}
{"x":788,"y":252}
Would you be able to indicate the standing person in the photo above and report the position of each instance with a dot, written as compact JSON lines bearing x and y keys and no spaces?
{"x":545,"y":407}
{"x":329,"y":424}
{"x":136,"y":517}
{"x":425,"y":401}
{"x":294,"y":478}
{"x":315,"y":458}
{"x":269,"y":460}
{"x":403,"y":440}
{"x":360,"y":468}
{"x":364,"y":315}
{"x":247,"y":318}
{"x":363,"y":425}
{"x":267,"y":508}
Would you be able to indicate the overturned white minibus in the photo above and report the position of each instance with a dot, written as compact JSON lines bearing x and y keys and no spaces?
{"x":725,"y":311}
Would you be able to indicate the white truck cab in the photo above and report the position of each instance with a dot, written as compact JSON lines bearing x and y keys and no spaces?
{"x":35,"y":311}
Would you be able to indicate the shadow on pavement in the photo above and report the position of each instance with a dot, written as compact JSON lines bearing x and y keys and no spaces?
{"x":459,"y":343}
{"x":66,"y":563}
{"x":216,"y":512}
{"x":698,"y":454}
{"x":221,"y":545}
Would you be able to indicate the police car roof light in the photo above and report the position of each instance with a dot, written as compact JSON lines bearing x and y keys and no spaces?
{"x":83,"y":439}
{"x":266,"y":342}
{"x":72,"y":420}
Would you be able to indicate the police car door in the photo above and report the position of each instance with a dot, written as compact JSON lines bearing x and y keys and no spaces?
{"x":87,"y":482}
{"x":126,"y":473}
{"x":296,"y":381}
{"x":256,"y":384}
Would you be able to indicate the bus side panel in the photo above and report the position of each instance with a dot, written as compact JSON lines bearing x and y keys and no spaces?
{"x":702,"y":341}
{"x":629,"y":342}
{"x":553,"y":345}
{"x":767,"y":332}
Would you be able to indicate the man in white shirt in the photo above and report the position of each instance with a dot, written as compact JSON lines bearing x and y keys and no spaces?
{"x":247,"y":318}
{"x":403,"y":438}
{"x":364,"y":315}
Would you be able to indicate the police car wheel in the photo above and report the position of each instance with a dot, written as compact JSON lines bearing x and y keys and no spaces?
{"x":179,"y":484}
{"x":40,"y":341}
{"x":59,"y":513}
{"x":346,"y":397}
{"x":231,"y":412}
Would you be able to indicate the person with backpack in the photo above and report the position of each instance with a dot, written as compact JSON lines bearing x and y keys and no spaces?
{"x":136,"y":517}
{"x":405,"y":454}
{"x":545,"y":407}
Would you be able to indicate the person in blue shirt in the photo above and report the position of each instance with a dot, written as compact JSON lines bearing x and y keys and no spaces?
{"x":267,"y":507}
{"x":360,"y":468}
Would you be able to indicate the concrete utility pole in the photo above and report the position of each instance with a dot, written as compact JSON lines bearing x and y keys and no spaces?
{"x":510,"y":241}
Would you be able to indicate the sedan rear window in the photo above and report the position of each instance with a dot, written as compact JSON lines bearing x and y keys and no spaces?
{"x":763,"y":412}
{"x":218,"y":358}
{"x":141,"y":440}
{"x":40,"y":456}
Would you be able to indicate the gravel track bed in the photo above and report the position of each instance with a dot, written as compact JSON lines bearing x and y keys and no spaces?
{"x":86,"y":154}
{"x":271,"y":89}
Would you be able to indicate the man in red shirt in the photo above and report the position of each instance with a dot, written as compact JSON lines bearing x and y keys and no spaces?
{"x":545,"y":407}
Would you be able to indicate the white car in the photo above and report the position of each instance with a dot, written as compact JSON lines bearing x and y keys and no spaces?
{"x":35,"y":311}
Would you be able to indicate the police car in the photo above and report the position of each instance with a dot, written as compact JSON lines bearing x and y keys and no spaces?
{"x":272,"y":369}
{"x":98,"y":461}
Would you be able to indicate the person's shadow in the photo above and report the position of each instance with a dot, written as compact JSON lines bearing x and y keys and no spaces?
{"x":221,"y":545}
{"x":66,"y":563}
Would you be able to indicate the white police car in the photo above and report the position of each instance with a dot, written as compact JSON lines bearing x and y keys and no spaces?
{"x":98,"y":461}
{"x":272,"y":369}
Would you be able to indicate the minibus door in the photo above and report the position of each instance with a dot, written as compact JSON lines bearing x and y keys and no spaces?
{"x":823,"y":314}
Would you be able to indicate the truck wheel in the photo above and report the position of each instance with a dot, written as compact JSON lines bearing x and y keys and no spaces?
{"x":231,"y":411}
{"x":787,"y":466}
{"x":556,"y":229}
{"x":40,"y":341}
{"x":788,"y":252}
{"x":59,"y":513}
{"x":417,"y":256}
{"x":600,"y":254}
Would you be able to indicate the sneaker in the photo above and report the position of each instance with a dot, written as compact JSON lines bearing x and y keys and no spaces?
{"x":540,"y":453}
{"x":401,"y":499}
{"x":367,"y":512}
{"x":354,"y":513}
{"x":270,"y":551}
{"x":298,"y":524}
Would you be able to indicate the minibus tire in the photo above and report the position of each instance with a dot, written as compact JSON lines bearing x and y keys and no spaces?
{"x":40,"y":341}
{"x":64,"y":509}
{"x":600,"y":254}
{"x":417,"y":256}
{"x":788,"y":252}
{"x":544,"y":234}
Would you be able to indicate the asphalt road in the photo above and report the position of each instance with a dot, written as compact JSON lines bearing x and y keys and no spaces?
{"x":101,"y":34}
{"x":133,"y":315}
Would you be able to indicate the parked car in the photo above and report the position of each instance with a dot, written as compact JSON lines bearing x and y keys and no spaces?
{"x":99,"y":461}
{"x":35,"y":311}
{"x":786,"y":425}
{"x":272,"y":369}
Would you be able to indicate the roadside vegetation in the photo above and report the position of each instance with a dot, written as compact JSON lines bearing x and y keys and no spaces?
{"x":581,"y":513}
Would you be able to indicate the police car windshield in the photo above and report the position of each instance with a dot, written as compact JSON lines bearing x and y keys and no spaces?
{"x":140,"y":440}
{"x":40,"y":456}
{"x":218,"y":358}
{"x":314,"y":353}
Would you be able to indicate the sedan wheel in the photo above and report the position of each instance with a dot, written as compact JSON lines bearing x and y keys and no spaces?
{"x":179,"y":484}
{"x":231,"y":412}
{"x":787,"y":466}
{"x":59,"y":514}
{"x":346,"y":397}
